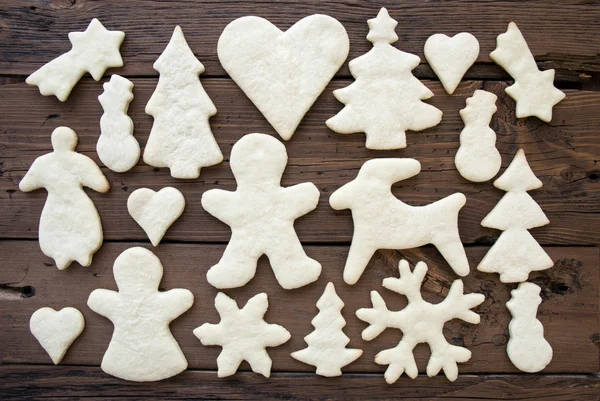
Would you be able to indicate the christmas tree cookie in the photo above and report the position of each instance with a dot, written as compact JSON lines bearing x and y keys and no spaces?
{"x":386,"y":99}
{"x":327,"y":344}
{"x":516,"y":252}
{"x":180,"y":138}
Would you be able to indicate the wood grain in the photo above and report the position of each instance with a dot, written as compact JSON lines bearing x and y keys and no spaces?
{"x":562,"y":34}
{"x":569,"y":311}
{"x":21,"y":382}
{"x":563,"y":154}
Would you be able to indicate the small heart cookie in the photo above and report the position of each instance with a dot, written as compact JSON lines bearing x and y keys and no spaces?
{"x":155,"y":211}
{"x":56,"y":331}
{"x":450,"y":58}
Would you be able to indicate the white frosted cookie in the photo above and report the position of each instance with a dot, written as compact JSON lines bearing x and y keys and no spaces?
{"x":117,"y":148}
{"x":327,"y":343}
{"x":142,"y":347}
{"x":94,"y":51}
{"x":451,"y":57}
{"x":516,"y":252}
{"x":477,"y":158}
{"x":382,"y":221}
{"x":533,"y":90}
{"x":386,"y":99}
{"x":70,"y":228}
{"x":155,"y":212}
{"x":243,"y":334}
{"x":56,"y":330}
{"x":283,"y":73}
{"x":527,"y":348}
{"x":181,"y":138}
{"x":420,"y":322}
{"x":261,"y":214}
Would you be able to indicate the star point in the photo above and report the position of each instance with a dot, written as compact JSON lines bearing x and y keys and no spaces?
{"x":382,"y":28}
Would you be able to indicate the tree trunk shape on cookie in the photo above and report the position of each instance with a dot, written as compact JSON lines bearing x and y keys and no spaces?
{"x":181,"y":138}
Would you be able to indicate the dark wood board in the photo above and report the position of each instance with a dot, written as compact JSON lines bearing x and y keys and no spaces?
{"x":563,"y":154}
{"x":569,"y":311}
{"x":26,"y":382}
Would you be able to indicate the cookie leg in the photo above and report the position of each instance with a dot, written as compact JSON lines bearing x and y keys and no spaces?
{"x":236,"y":267}
{"x":292,"y":267}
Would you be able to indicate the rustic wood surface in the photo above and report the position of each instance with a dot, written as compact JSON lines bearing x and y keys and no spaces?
{"x":90,"y":383}
{"x":564,"y":154}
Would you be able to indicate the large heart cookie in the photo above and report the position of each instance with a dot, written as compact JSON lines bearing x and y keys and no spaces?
{"x":450,"y":58}
{"x":56,"y":331}
{"x":283,"y":73}
{"x":155,"y":211}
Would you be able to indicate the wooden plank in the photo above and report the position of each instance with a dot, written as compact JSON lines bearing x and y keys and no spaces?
{"x":569,"y":311}
{"x":65,"y":382}
{"x":564,"y":154}
{"x":561,"y":34}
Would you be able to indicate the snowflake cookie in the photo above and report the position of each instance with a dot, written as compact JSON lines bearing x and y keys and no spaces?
{"x":420,"y":322}
{"x":243,"y":334}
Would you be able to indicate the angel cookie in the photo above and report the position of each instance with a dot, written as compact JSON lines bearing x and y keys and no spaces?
{"x":142,"y":347}
{"x":261,"y":215}
{"x":70,"y":228}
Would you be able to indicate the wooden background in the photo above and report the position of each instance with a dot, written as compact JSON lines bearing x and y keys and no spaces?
{"x":562,"y":34}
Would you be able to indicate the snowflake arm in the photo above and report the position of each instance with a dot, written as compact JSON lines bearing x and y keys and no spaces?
{"x":457,"y":305}
{"x":378,"y":317}
{"x":409,"y":283}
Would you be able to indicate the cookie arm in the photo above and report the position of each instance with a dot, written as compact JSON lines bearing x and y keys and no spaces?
{"x":91,"y":175}
{"x":104,"y":302}
{"x":301,"y":198}
{"x":31,"y":180}
{"x":220,"y":204}
{"x":177,"y":301}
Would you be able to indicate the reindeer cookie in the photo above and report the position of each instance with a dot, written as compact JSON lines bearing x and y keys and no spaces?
{"x":261,"y":215}
{"x":382,"y":221}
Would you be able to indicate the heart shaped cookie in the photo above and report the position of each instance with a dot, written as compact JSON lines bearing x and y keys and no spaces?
{"x":56,"y":331}
{"x":155,"y":211}
{"x":450,"y":58}
{"x":283,"y":73}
